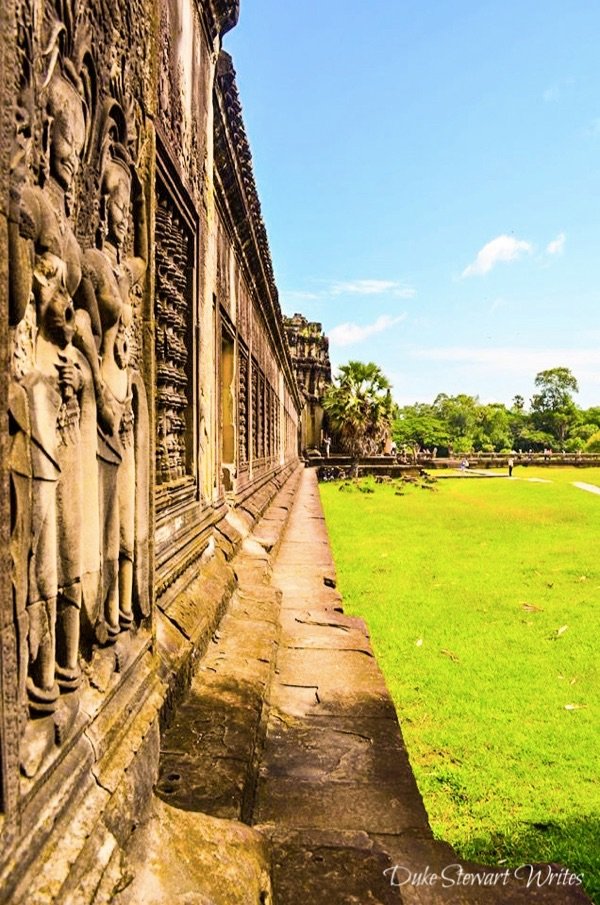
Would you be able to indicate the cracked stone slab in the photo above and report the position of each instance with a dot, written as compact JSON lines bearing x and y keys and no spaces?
{"x":329,"y":868}
{"x":336,"y":750}
{"x":210,"y":785}
{"x":335,"y":670}
{"x":326,"y":634}
{"x":373,"y":807}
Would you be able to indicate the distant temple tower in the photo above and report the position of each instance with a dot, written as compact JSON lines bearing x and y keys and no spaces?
{"x":309,"y":349}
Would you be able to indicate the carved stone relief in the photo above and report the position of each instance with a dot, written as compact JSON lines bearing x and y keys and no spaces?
{"x":261,"y":418}
{"x":255,"y":412}
{"x":174,"y":317}
{"x":272,"y":419}
{"x":78,"y":530}
{"x":242,"y":408}
{"x":268,"y":420}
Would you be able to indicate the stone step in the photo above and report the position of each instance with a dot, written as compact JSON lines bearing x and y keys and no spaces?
{"x":210,"y":748}
{"x":208,"y":751}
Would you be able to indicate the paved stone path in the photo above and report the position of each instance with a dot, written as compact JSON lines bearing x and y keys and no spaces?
{"x":334,"y":779}
{"x":591,"y":488}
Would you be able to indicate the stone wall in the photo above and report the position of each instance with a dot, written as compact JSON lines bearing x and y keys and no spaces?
{"x":152,"y":407}
{"x":309,"y":348}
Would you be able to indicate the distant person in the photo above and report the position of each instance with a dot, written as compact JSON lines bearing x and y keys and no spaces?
{"x":511,"y":465}
{"x":393,"y":448}
{"x":327,"y":446}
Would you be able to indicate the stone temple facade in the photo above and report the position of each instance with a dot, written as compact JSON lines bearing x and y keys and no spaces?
{"x":152,"y":405}
{"x":309,"y":348}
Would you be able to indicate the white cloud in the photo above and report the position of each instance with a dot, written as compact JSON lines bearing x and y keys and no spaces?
{"x":497,"y":304}
{"x":516,"y":359}
{"x":372,"y":287}
{"x":350,"y":287}
{"x":502,"y":248}
{"x":348,"y":334}
{"x":557,"y":246}
{"x":593,"y":128}
{"x":551,"y":94}
{"x":558,"y":90}
{"x":298,"y":295}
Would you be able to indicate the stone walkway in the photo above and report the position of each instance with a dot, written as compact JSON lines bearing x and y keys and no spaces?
{"x":591,"y":488}
{"x":334,"y":778}
{"x":284,"y":778}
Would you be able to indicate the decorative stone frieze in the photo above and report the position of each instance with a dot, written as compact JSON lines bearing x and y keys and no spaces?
{"x":173,"y":340}
{"x":79,"y":422}
{"x":242,"y":407}
{"x":130,"y":233}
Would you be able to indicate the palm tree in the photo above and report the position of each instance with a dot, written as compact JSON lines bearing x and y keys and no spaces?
{"x":359,"y":407}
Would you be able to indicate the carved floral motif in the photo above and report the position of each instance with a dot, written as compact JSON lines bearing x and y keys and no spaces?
{"x":242,"y":408}
{"x":174,"y":295}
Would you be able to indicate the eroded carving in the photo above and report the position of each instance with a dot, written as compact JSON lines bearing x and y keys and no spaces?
{"x":122,"y":452}
{"x":53,"y":404}
{"x":79,"y":522}
{"x":173,"y":308}
{"x":255,"y":412}
{"x":242,"y":407}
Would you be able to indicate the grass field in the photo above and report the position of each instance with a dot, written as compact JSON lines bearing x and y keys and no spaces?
{"x":481,"y":598}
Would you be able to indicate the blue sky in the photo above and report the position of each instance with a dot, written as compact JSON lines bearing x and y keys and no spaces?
{"x":429,"y":174}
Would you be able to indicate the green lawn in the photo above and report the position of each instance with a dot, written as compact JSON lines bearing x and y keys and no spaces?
{"x":481,"y":598}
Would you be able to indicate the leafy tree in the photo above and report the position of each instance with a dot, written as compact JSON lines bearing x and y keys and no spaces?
{"x":583,"y":430}
{"x":518,"y":424}
{"x":493,"y":428}
{"x":574,"y":444}
{"x":419,"y":425}
{"x":593,"y":444}
{"x":359,"y":407}
{"x":553,"y":409}
{"x":591,"y":416}
{"x":534,"y":440}
{"x":459,"y":413}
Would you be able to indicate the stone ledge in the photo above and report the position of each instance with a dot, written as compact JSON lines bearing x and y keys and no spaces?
{"x":182,"y":856}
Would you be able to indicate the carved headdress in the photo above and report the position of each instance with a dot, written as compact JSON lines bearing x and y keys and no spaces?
{"x":116,"y":141}
{"x":67,"y":79}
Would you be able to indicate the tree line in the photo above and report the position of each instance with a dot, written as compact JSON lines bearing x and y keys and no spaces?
{"x":362,"y":415}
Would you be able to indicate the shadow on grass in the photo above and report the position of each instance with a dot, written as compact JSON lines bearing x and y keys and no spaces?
{"x":572,"y":843}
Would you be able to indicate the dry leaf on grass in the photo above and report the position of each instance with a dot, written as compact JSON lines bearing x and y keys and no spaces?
{"x":448,"y":653}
